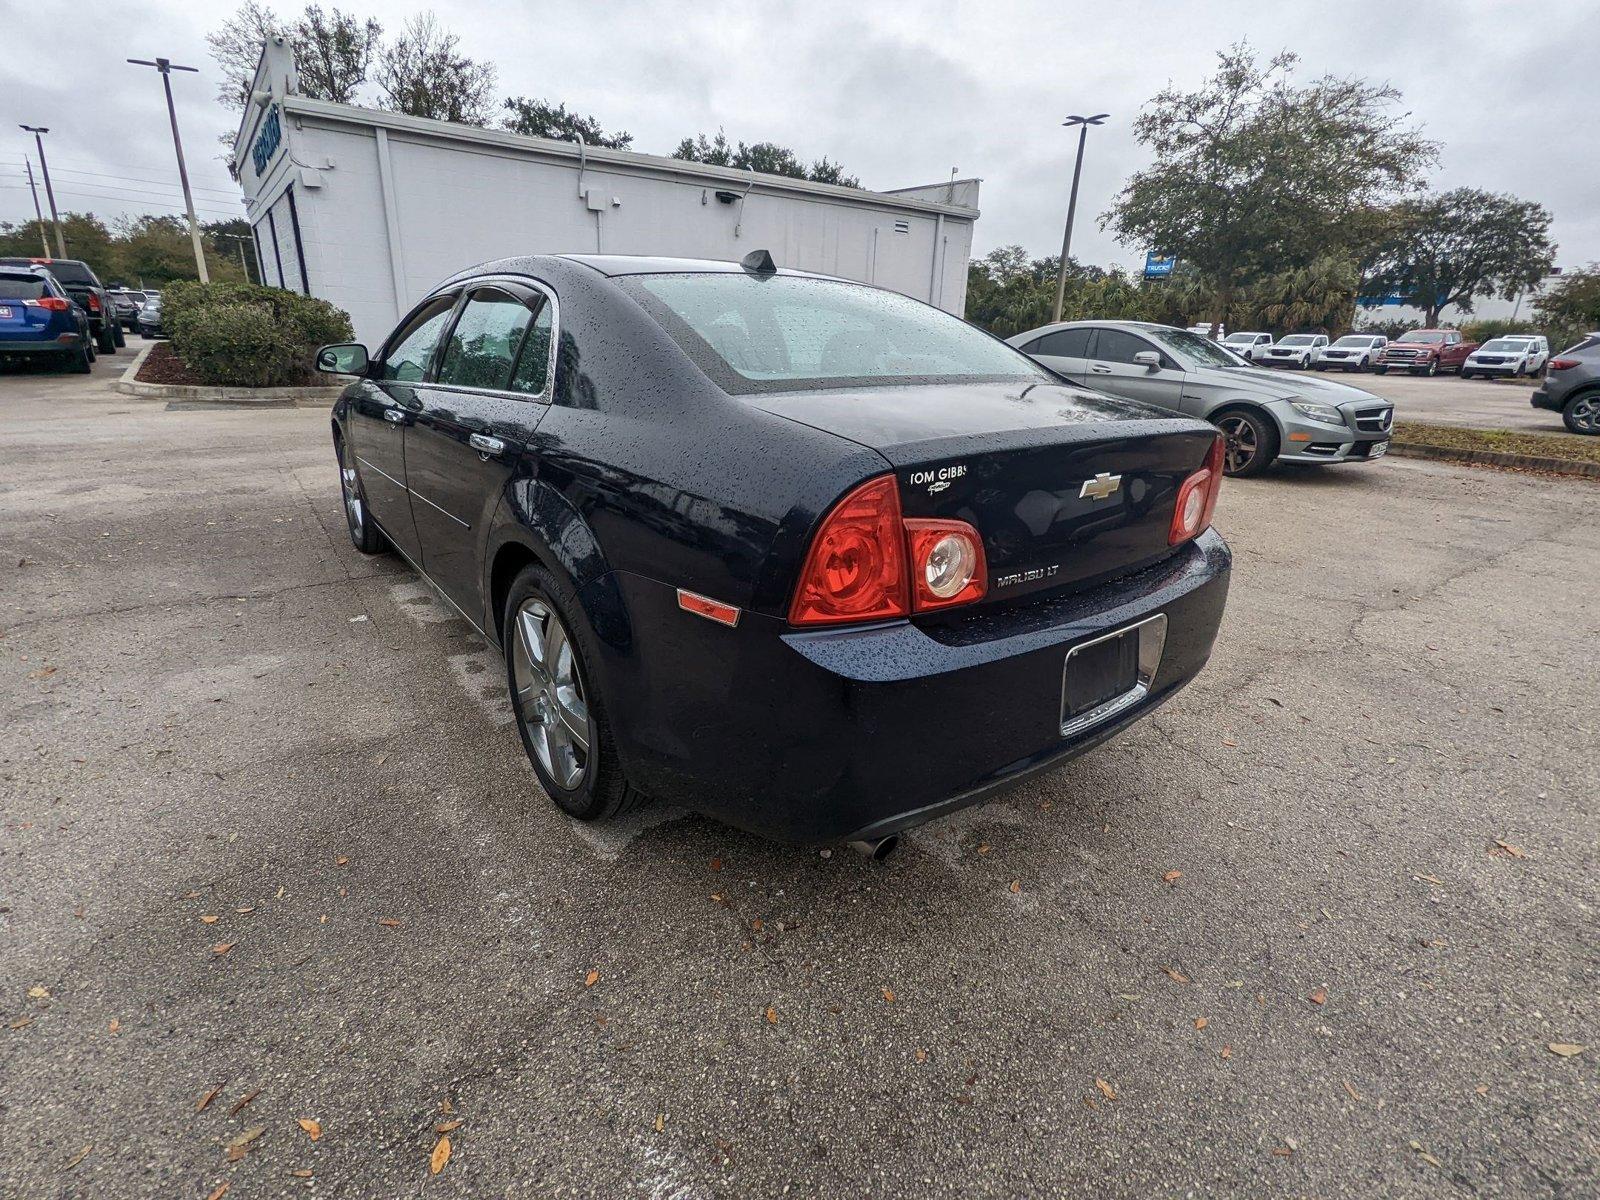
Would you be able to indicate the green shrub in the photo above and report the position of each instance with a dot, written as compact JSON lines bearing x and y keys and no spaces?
{"x":245,"y":335}
{"x":1483,"y":331}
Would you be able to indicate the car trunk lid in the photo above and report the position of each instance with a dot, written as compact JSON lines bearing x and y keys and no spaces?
{"x":1066,"y":487}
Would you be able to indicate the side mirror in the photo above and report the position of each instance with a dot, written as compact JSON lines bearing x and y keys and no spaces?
{"x":349,"y":358}
{"x":1147,"y":358}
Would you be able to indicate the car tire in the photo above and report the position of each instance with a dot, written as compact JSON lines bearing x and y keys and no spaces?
{"x":89,"y":346}
{"x":118,"y":336}
{"x":104,"y":341}
{"x":557,"y":700}
{"x":1582,"y":413}
{"x":1380,"y":370}
{"x":1466,"y":374}
{"x":82,"y":364}
{"x":364,"y":535}
{"x":1251,"y":441}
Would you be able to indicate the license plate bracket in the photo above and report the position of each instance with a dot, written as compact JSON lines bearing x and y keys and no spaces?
{"x":1108,"y":675}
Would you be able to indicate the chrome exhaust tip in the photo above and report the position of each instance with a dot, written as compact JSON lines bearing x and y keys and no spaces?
{"x":877,"y":849}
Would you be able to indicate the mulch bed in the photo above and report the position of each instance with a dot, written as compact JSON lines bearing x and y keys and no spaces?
{"x":161,"y":365}
{"x":1500,"y":441}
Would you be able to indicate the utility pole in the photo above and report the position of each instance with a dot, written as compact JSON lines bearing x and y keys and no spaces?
{"x":1083,"y":124}
{"x":44,"y":239}
{"x":166,"y":66}
{"x":241,"y":239}
{"x":38,"y":132}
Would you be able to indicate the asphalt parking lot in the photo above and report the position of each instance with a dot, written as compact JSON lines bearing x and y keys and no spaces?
{"x":267,"y":830}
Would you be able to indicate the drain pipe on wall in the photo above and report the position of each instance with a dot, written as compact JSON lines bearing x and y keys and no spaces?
{"x":933,"y":267}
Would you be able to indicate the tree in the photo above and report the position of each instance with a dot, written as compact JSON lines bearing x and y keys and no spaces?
{"x":1571,"y":308}
{"x":1453,"y":247}
{"x":1254,"y":174}
{"x":1320,"y":295}
{"x":424,"y":74}
{"x":333,"y":52}
{"x":768,"y":158}
{"x":1008,"y":293}
{"x":237,"y":49}
{"x":538,"y":118}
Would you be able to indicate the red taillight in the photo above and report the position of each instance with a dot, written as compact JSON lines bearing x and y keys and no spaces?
{"x":53,"y":303}
{"x":1197,"y":498}
{"x":1564,"y":364}
{"x":856,"y":568}
{"x":947,"y":565}
{"x":94,"y":302}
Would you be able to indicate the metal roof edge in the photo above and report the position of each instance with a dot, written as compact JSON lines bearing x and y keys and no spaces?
{"x":599,"y":155}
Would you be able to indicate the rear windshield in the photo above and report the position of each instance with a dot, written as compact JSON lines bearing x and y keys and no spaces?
{"x":786,"y":332}
{"x":66,"y":270}
{"x":136,"y":297}
{"x":21,"y":287}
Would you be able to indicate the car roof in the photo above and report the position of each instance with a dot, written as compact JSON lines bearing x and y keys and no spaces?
{"x":653,"y":264}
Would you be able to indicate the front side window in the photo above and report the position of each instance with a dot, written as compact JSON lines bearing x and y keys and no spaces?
{"x":412,"y":350}
{"x":788,"y":332}
{"x":1115,"y":346}
{"x":485,"y":339}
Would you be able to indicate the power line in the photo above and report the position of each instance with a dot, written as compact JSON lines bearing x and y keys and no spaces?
{"x":230,"y":192}
{"x":135,"y":202}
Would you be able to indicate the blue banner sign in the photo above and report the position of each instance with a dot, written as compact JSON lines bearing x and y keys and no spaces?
{"x":267,"y":141}
{"x":1158,"y":266}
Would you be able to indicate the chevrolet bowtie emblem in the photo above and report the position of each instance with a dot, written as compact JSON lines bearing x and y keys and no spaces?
{"x":1101,"y":486}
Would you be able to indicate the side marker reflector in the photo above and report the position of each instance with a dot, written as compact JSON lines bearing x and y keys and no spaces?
{"x":704,"y":606}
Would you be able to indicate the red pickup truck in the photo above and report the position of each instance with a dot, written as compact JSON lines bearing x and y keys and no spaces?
{"x":1425,"y":352}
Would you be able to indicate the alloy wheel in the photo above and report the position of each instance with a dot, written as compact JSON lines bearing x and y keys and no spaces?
{"x":1241,"y":445}
{"x":354,"y":511}
{"x":1585,"y":414}
{"x":550,"y":693}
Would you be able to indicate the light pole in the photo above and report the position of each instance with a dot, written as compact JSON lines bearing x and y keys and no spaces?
{"x":166,"y":66}
{"x":44,"y":239}
{"x":1083,"y":124}
{"x":38,"y":132}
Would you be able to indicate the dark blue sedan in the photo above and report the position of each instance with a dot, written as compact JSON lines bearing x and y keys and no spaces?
{"x":809,"y":556}
{"x":39,"y":320}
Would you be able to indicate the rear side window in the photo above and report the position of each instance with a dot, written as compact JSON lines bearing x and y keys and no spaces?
{"x":412,"y":350}
{"x":485,"y":340}
{"x":1063,"y":343}
{"x":533,"y":363}
{"x":21,"y":287}
{"x":789,"y":332}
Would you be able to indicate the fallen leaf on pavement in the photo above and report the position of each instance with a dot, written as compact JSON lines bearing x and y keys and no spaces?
{"x":985,"y":848}
{"x":922,"y":1056}
{"x":772,"y":1015}
{"x":1566,"y":1049}
{"x":200,"y":1104}
{"x":42,"y":673}
{"x":1175,"y":975}
{"x":115,"y":1026}
{"x":1513,"y":851}
{"x":1282,"y":1151}
{"x":39,"y":993}
{"x":888,"y":995}
{"x":341,"y":860}
{"x":1172,"y":877}
{"x":21,"y":1023}
{"x":389,"y":922}
{"x":448,"y":1126}
{"x":302,"y":1173}
{"x":248,"y":908}
{"x":240,"y":1146}
{"x":1016,"y":885}
{"x":210,"y":918}
{"x":1229,"y":742}
{"x":716,"y":864}
{"x":1430,"y":879}
{"x":1349,"y":1087}
{"x":756,"y":925}
{"x":592,"y":978}
{"x":1106,"y":1089}
{"x":1320,"y":996}
{"x":1227,"y":1052}
{"x":220,"y":1191}
{"x":1201,"y":1022}
{"x":242,"y":1101}
{"x":1482,"y":1089}
{"x":661,"y":1122}
{"x":77,"y":1158}
{"x":312,"y":1127}
{"x":440,"y":1156}
{"x":222,"y":947}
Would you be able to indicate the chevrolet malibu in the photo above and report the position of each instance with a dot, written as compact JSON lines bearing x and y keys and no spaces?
{"x":810,"y":557}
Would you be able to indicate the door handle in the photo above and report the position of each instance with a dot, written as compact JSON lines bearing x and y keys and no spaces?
{"x":1099,"y":370}
{"x":486,"y":445}
{"x":393,"y":414}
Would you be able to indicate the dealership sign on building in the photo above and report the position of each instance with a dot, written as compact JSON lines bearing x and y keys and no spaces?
{"x":1158,"y":266}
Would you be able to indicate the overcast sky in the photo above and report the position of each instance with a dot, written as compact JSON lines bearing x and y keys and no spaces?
{"x":897,"y":91}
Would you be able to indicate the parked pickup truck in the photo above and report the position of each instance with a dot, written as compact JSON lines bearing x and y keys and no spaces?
{"x":1425,"y":352}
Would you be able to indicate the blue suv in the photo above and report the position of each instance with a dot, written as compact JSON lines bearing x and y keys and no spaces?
{"x":38,"y":318}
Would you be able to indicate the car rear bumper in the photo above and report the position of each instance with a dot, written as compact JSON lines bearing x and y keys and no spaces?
{"x":55,"y":344}
{"x":834,"y":734}
{"x":1542,"y":397}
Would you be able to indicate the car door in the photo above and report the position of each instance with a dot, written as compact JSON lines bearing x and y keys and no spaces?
{"x":384,"y":406}
{"x":1112,"y":369}
{"x":1066,"y":352}
{"x":478,"y":410}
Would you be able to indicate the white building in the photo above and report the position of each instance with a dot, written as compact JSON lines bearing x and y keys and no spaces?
{"x":370,"y":209}
{"x":1485,"y":308}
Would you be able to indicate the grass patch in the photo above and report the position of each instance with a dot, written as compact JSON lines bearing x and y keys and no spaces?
{"x":1500,"y":441}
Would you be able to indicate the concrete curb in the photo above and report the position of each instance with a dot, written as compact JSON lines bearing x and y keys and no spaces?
{"x":1497,"y":458}
{"x":301,"y":397}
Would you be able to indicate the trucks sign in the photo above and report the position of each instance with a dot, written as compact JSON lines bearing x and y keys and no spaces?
{"x":268,"y":139}
{"x":1158,"y":266}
